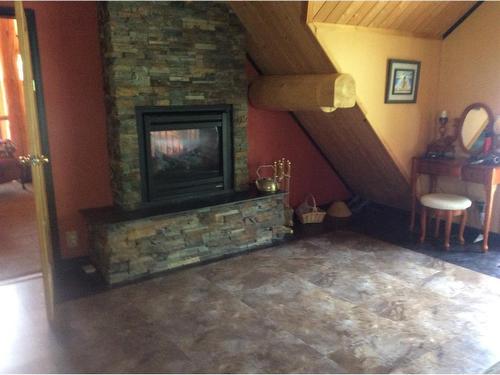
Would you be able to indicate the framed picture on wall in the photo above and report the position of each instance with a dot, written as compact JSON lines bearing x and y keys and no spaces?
{"x":402,"y":81}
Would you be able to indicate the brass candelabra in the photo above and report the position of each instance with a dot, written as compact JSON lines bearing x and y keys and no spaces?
{"x":283,"y":174}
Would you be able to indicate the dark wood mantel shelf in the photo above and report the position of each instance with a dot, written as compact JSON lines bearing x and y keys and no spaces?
{"x":115,"y":214}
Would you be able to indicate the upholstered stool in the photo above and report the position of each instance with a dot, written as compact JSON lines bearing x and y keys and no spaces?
{"x":447,"y":206}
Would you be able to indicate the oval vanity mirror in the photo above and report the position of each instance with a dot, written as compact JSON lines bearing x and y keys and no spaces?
{"x":476,"y":122}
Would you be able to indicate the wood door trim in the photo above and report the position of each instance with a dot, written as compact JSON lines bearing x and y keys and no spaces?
{"x":7,"y":12}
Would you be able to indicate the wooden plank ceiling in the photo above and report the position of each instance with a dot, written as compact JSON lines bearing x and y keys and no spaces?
{"x":428,"y":19}
{"x":280,"y":42}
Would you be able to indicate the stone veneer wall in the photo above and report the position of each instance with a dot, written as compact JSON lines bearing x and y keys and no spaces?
{"x":169,"y":53}
{"x":133,"y":249}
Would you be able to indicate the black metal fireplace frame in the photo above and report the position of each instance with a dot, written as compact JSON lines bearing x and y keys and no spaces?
{"x":223,"y":110}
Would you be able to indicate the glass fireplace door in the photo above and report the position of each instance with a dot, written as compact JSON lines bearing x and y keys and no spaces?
{"x":185,"y":153}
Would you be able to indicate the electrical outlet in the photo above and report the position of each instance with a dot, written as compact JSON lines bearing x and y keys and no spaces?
{"x":72,"y":239}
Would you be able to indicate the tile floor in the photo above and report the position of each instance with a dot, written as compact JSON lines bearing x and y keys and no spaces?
{"x":391,"y":225}
{"x":340,"y":302}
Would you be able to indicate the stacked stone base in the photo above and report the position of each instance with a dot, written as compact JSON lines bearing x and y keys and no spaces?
{"x":125,"y":251}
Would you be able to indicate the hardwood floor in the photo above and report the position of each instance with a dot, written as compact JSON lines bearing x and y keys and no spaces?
{"x":19,"y":251}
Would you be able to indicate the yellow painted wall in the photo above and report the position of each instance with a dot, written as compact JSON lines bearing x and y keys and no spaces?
{"x":470,"y":72}
{"x":470,"y":67}
{"x":455,"y":72}
{"x":404,"y":128}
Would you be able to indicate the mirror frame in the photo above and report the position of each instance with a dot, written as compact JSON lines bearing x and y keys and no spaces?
{"x":489,"y":126}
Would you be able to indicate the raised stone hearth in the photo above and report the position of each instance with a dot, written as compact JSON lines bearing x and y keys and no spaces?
{"x":127,"y":248}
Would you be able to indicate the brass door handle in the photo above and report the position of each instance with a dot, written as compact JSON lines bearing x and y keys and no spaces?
{"x":33,"y":159}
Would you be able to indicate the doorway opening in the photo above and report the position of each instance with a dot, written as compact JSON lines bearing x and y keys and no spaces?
{"x":19,"y":246}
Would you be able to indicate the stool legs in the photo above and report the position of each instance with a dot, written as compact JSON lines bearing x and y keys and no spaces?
{"x":462,"y":227}
{"x":436,"y":228}
{"x":449,"y":217}
{"x":423,"y":223}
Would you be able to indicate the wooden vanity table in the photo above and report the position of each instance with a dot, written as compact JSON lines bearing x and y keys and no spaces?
{"x":488,"y":176}
{"x":472,"y":131}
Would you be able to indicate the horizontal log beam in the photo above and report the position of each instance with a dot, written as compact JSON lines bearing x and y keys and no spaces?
{"x":303,"y":92}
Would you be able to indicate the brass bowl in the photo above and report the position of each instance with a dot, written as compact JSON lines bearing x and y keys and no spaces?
{"x":267,"y":185}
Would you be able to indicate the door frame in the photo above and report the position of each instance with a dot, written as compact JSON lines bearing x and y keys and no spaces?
{"x":8,"y":12}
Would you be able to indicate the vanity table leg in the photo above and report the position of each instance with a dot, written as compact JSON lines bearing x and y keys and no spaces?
{"x":414,"y":180}
{"x":413,"y":208}
{"x":414,"y":177}
{"x":490,"y":194}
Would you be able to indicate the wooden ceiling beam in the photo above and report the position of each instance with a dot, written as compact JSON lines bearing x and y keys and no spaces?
{"x":303,"y":92}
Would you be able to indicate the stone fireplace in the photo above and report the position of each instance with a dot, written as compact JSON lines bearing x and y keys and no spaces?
{"x":169,"y":54}
{"x":176,"y":100}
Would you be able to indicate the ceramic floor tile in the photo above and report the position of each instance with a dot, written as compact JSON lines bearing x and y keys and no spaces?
{"x":342,"y":302}
{"x":355,"y":338}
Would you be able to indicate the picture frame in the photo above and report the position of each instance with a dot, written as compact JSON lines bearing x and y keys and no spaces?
{"x":402,"y":81}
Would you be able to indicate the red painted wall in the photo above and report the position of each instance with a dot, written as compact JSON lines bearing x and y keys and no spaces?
{"x":74,"y":101}
{"x":273,"y":135}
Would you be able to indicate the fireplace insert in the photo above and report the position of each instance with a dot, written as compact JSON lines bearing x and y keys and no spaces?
{"x":185,"y":152}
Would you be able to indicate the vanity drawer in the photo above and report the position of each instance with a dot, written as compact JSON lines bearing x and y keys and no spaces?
{"x":439,"y":168}
{"x":479,"y":175}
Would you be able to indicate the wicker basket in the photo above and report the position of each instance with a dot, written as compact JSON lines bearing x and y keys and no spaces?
{"x":310,"y":213}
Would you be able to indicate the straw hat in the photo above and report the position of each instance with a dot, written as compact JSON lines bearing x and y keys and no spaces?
{"x":339,"y":209}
